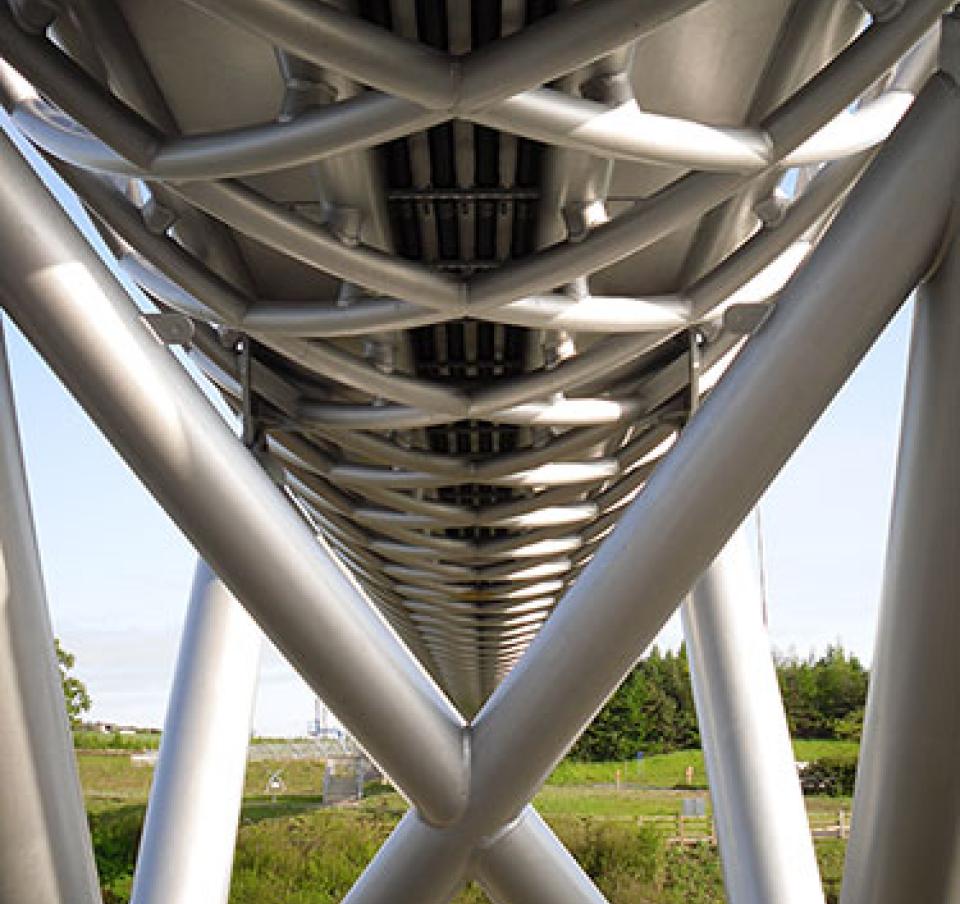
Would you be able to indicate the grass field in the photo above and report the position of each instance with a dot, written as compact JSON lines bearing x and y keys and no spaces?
{"x":668,"y":770}
{"x":291,"y":850}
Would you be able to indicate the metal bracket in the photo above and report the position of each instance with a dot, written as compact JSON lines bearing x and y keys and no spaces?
{"x":771,"y":209}
{"x":744,"y":319}
{"x":252,"y":435}
{"x":693,"y":370}
{"x":157,"y":217}
{"x":344,"y":222}
{"x":610,"y":88}
{"x":170,"y":327}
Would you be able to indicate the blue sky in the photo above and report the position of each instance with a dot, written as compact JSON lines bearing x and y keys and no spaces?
{"x":118,"y":572}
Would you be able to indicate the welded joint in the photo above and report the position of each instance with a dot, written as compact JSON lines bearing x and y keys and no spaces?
{"x":581,"y":218}
{"x":344,"y":223}
{"x":488,"y":841}
{"x":771,"y":209}
{"x":609,"y":88}
{"x":302,"y":94}
{"x":157,"y":217}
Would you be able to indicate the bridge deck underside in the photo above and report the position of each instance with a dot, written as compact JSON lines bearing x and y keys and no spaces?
{"x":464,"y":466}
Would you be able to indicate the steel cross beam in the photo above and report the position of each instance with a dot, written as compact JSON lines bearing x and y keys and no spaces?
{"x":131,"y":145}
{"x":472,"y":789}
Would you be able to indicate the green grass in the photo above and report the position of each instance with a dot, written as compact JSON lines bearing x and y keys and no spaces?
{"x":95,"y":740}
{"x":668,"y":770}
{"x":112,"y":775}
{"x":314,"y":857}
{"x":291,"y":850}
{"x":607,"y":803}
{"x":817,"y":750}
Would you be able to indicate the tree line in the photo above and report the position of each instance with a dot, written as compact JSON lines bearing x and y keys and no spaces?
{"x":653,"y":711}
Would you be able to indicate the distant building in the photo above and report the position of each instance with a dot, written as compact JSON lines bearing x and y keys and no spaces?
{"x":324,"y":724}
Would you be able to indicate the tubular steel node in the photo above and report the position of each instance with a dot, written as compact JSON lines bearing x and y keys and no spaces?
{"x":521,"y":304}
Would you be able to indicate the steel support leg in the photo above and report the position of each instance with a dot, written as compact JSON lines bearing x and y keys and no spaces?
{"x":905,"y":844}
{"x":188,"y":840}
{"x":761,"y":821}
{"x":84,"y":324}
{"x":45,"y":851}
{"x":824,"y":322}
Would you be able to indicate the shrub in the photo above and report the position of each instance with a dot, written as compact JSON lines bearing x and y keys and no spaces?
{"x":830,"y":775}
{"x":116,"y":837}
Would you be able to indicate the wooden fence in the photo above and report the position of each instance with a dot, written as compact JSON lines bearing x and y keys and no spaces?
{"x":678,"y":829}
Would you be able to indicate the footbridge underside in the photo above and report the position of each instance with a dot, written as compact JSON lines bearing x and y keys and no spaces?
{"x":518,"y":306}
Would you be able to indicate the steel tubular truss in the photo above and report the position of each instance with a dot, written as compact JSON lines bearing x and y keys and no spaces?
{"x":520,"y":307}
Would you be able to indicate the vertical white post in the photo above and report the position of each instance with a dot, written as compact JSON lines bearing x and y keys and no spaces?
{"x":905,"y":836}
{"x":761,"y":823}
{"x":45,"y":851}
{"x":186,"y":854}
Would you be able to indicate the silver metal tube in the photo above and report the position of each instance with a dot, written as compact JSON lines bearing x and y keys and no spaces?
{"x":525,"y":864}
{"x":186,"y":853}
{"x":651,"y":219}
{"x":349,"y":125}
{"x":329,"y":360}
{"x":81,"y":320}
{"x":906,"y":809}
{"x":625,"y":132}
{"x":417,"y":863}
{"x":715,"y":473}
{"x":74,"y":91}
{"x":875,"y":51}
{"x":45,"y":851}
{"x":765,"y":844}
